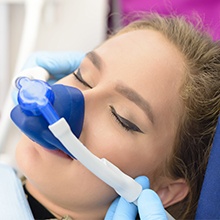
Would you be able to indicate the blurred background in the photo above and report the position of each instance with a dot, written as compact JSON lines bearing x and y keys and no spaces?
{"x":27,"y":26}
{"x":47,"y":25}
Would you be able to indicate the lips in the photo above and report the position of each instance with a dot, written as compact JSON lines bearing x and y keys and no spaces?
{"x":59,"y":153}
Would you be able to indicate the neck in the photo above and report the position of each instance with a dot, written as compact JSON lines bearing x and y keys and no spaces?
{"x":59,"y":212}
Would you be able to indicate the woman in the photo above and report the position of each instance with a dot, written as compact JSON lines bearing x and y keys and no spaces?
{"x":151,"y":107}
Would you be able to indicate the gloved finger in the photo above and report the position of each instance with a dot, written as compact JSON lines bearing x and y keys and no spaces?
{"x":111,"y":211}
{"x":143,"y":181}
{"x":150,"y":206}
{"x":60,"y":64}
{"x":125,"y":210}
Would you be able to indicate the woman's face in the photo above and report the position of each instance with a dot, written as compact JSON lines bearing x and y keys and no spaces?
{"x":132,"y":108}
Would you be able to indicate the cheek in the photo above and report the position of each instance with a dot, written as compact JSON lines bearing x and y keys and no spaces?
{"x":136,"y":159}
{"x":132,"y":153}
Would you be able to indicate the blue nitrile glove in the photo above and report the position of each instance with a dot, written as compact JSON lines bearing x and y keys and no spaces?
{"x":149,"y":205}
{"x":58,"y":64}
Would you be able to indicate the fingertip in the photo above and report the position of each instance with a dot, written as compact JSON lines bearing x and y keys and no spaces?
{"x":143,"y":181}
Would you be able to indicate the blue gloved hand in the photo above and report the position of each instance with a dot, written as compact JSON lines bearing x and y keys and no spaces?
{"x":58,"y":64}
{"x":149,"y":205}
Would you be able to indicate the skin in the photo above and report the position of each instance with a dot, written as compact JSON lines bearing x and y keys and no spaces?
{"x":146,"y":62}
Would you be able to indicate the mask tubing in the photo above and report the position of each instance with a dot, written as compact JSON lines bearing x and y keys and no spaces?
{"x":123,"y":184}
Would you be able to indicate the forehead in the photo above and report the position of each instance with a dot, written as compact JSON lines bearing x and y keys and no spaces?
{"x":141,"y":48}
{"x":142,"y":53}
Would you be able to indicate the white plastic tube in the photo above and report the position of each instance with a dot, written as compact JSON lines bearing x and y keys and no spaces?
{"x":123,"y":184}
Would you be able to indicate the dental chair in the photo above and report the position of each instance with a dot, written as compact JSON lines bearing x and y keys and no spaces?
{"x":209,"y":201}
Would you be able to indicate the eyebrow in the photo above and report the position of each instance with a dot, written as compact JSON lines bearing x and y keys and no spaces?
{"x":133,"y":96}
{"x":95,"y":59}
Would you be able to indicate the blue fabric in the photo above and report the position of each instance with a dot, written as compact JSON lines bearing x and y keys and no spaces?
{"x":13,"y":202}
{"x":209,"y":201}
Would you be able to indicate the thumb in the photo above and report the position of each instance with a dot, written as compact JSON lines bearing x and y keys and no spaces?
{"x":143,"y":181}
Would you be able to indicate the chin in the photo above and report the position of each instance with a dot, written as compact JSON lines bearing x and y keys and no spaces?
{"x":39,"y":164}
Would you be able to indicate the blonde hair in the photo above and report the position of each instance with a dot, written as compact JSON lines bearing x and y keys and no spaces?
{"x":200,"y":94}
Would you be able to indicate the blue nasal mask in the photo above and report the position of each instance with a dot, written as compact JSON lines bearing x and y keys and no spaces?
{"x":38,"y":102}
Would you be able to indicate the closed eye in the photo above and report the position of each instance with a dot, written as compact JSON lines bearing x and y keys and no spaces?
{"x":126,"y":124}
{"x":79,"y":77}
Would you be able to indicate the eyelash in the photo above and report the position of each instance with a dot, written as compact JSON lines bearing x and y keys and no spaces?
{"x":126,"y":124}
{"x":80,"y":79}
